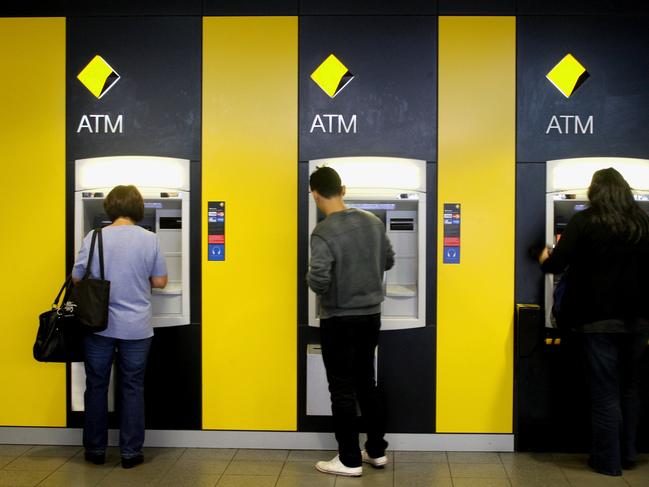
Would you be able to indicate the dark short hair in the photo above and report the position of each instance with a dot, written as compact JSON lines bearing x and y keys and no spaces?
{"x":124,"y":201}
{"x":325,"y":181}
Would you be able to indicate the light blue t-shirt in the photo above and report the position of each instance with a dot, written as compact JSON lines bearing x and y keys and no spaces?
{"x":131,"y":256}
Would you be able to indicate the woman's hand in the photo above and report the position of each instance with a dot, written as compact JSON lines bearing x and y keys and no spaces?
{"x":543,"y":256}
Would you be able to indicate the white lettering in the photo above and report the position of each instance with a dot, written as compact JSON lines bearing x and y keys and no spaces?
{"x":342,"y":126}
{"x":554,"y":124}
{"x":572,"y":124}
{"x":96,"y":126}
{"x":584,"y":129}
{"x":84,"y":124}
{"x":335,"y":124}
{"x":317,"y":122}
{"x":113,"y":128}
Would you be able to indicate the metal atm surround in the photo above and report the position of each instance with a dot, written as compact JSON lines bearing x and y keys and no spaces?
{"x":406,"y":355}
{"x":403,"y":291}
{"x":567,"y":182}
{"x":164,"y":185}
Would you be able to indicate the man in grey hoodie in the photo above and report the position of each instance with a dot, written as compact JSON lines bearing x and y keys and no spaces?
{"x":349,"y":254}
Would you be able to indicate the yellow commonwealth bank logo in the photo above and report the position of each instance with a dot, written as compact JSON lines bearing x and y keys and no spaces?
{"x":98,"y":76}
{"x":567,"y":75}
{"x":332,"y":76}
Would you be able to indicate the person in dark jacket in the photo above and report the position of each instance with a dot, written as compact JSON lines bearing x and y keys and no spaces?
{"x":349,"y":254}
{"x":605,"y":250}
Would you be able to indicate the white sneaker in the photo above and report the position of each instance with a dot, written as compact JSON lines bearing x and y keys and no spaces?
{"x":336,"y":467}
{"x":378,"y":462}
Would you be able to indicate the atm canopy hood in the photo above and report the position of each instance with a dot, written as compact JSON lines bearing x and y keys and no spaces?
{"x":141,"y":171}
{"x":575,"y":174}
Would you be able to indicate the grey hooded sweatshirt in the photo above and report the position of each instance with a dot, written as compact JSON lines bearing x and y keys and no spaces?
{"x":349,"y":253}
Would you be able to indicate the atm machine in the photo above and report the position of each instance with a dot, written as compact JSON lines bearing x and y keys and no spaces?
{"x":393,"y":189}
{"x":567,"y":182}
{"x":165,"y":184}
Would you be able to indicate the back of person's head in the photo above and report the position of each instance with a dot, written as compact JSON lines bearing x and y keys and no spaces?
{"x":124,"y":201}
{"x":612,"y":201}
{"x":326,"y":182}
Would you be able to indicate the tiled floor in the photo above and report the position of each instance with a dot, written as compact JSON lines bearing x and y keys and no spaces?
{"x":64,"y":466}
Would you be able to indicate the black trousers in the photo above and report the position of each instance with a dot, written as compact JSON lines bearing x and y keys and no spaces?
{"x":612,"y":365}
{"x":348,"y":350}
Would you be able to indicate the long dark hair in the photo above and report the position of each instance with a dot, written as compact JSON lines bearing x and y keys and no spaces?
{"x":614,"y":206}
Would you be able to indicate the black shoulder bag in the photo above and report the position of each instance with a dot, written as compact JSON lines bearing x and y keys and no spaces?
{"x":59,"y":338}
{"x":90,"y":297}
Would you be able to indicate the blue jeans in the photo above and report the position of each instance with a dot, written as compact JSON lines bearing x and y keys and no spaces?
{"x":131,"y":365}
{"x":348,"y":346}
{"x":612,"y":364}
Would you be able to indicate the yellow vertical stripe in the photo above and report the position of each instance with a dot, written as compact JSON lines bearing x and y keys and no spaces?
{"x":32,"y":246}
{"x":477,"y":103}
{"x":250,"y":162}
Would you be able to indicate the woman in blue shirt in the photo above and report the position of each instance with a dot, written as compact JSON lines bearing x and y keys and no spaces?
{"x":133,"y":264}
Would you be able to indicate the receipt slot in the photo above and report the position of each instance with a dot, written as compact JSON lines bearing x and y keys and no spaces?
{"x":567,"y":182}
{"x":164,"y":185}
{"x":395,"y":191}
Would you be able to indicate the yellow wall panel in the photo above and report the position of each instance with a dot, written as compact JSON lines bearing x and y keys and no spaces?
{"x":32,"y":246}
{"x":250,"y":162}
{"x":477,"y":105}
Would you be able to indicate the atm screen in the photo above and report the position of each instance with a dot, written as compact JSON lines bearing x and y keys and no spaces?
{"x":565,"y":209}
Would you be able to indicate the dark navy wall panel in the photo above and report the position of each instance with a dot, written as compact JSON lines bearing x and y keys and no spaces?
{"x":158,"y":94}
{"x":530,"y":230}
{"x":616,"y":94}
{"x":393,"y":92}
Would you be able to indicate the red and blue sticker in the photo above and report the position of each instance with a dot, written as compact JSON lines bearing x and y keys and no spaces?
{"x":216,"y":230}
{"x":452,"y":216}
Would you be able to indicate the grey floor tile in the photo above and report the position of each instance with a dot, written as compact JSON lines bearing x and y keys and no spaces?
{"x":21,"y":478}
{"x":419,"y":474}
{"x":14,"y":450}
{"x":79,"y":464}
{"x":320,"y":480}
{"x":420,"y":456}
{"x":478,"y":470}
{"x":310,"y":455}
{"x":188,"y":478}
{"x":530,"y":470}
{"x":580,"y":476}
{"x":570,"y":459}
{"x":539,"y":482}
{"x":366,"y":481}
{"x":637,"y":482}
{"x":247,"y":481}
{"x":73,"y":479}
{"x":142,"y":475}
{"x":4,"y":460}
{"x":469,"y":482}
{"x":264,"y":455}
{"x":417,"y":481}
{"x":36,"y":463}
{"x":200,"y":466}
{"x":473,"y":457}
{"x":208,"y":453}
{"x":526,"y":458}
{"x":53,"y":451}
{"x":301,"y":468}
{"x":245,"y":467}
{"x":163,"y":454}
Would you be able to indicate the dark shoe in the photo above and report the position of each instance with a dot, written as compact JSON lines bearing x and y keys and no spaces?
{"x":96,"y":458}
{"x":130,"y":462}
{"x":629,"y":464}
{"x":612,"y":473}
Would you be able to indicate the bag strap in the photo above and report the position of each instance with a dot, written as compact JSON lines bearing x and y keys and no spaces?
{"x":92,"y":251}
{"x":66,"y":286}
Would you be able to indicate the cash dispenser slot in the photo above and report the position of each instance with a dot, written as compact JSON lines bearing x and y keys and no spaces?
{"x":401,"y":224}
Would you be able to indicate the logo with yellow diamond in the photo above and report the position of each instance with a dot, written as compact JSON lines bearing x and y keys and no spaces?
{"x":567,"y":75}
{"x":98,"y":76}
{"x":332,"y":76}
